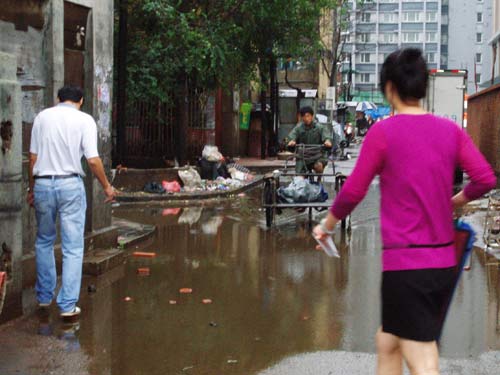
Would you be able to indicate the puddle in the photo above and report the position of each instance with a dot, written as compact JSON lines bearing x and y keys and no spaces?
{"x":271,"y":295}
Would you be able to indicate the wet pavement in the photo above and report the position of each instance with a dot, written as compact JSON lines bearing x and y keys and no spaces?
{"x":273,"y":298}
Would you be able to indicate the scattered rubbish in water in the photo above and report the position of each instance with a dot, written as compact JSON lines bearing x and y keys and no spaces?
{"x":171,"y":186}
{"x":241,"y":195}
{"x":187,"y":368}
{"x":305,"y":317}
{"x":206,"y":301}
{"x":185,"y":290}
{"x":170,"y":211}
{"x":232,"y":361}
{"x":144,"y":254}
{"x":172,"y":302}
{"x":91,"y":288}
{"x":144,"y":271}
{"x":127,"y":299}
{"x":195,"y":264}
{"x":212,"y":324}
{"x":258,"y":339}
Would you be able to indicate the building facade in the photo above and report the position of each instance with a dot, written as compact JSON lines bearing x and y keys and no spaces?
{"x":44,"y":45}
{"x":470,"y":30}
{"x":378,"y":28}
{"x":494,"y":76}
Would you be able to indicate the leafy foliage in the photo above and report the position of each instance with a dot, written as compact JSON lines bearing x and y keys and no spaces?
{"x":215,"y":43}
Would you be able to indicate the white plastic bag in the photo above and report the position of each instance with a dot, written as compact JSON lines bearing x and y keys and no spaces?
{"x":190,"y":178}
{"x":211,"y":153}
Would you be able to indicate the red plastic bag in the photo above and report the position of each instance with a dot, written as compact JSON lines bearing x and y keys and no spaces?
{"x":171,"y":186}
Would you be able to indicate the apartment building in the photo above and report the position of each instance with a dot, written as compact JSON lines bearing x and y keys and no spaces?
{"x":379,"y":27}
{"x":494,"y":42}
{"x":470,"y":30}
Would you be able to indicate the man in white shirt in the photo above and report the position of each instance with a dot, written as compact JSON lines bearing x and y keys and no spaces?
{"x":61,"y":136}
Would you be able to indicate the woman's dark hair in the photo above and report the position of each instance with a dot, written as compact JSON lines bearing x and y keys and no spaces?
{"x":407,"y":70}
{"x":69,"y":92}
{"x":305,"y":110}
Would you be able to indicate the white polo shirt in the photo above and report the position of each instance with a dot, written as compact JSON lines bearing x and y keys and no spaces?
{"x":61,"y":136}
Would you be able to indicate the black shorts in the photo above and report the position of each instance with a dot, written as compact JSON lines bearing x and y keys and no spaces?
{"x":415,"y":302}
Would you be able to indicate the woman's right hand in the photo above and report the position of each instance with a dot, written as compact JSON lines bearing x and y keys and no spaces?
{"x":319,"y":234}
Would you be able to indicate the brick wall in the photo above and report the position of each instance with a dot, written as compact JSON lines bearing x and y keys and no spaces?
{"x":483,"y":123}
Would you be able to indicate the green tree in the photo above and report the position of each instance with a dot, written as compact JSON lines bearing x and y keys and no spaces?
{"x":216,"y":43}
{"x":169,"y":40}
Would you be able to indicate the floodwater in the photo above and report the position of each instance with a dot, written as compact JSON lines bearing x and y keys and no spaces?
{"x":272,"y":295}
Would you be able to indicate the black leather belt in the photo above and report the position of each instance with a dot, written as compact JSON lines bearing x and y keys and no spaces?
{"x":57,"y":177}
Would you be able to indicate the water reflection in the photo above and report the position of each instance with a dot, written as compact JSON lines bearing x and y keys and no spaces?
{"x":273,"y":296}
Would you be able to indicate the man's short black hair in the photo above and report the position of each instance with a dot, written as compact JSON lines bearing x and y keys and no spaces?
{"x":407,"y":70}
{"x":70,"y":93}
{"x":305,"y":110}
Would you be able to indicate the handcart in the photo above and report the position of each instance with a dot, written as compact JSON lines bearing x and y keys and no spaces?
{"x":272,"y":181}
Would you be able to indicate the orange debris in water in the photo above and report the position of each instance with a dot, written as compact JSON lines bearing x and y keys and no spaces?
{"x":186,"y":290}
{"x":144,"y":271}
{"x":144,"y":254}
{"x":127,"y":299}
{"x":172,"y":302}
{"x":206,"y":301}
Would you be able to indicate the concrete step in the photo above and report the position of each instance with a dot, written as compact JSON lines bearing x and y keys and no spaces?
{"x":100,"y":261}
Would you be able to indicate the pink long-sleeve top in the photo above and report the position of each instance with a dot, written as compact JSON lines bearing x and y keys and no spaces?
{"x":415,"y":157}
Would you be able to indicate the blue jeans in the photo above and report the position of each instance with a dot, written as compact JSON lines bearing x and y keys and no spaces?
{"x":66,"y":198}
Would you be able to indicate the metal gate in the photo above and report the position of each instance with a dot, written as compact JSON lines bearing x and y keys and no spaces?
{"x":148,"y":136}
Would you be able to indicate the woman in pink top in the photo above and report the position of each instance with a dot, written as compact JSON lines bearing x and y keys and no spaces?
{"x":415,"y":154}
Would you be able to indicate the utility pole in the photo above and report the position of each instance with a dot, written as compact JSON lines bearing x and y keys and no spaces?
{"x":349,"y":78}
{"x":273,"y":142}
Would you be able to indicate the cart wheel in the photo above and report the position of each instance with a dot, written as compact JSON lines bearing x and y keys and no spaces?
{"x":268,"y":199}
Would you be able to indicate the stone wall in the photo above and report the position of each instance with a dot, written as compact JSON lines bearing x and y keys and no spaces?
{"x":483,"y":123}
{"x":10,"y":184}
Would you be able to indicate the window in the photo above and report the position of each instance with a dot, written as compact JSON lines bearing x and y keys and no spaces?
{"x":366,"y":17}
{"x":479,"y":17}
{"x":479,"y":58}
{"x":365,"y":78}
{"x":346,"y":36}
{"x":365,"y":58}
{"x":431,"y":17}
{"x":430,"y":57}
{"x":479,"y":37}
{"x":388,"y":17}
{"x":411,"y":16}
{"x":411,"y":37}
{"x":478,"y":77}
{"x":388,"y":38}
{"x":364,"y":38}
{"x":431,"y":37}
